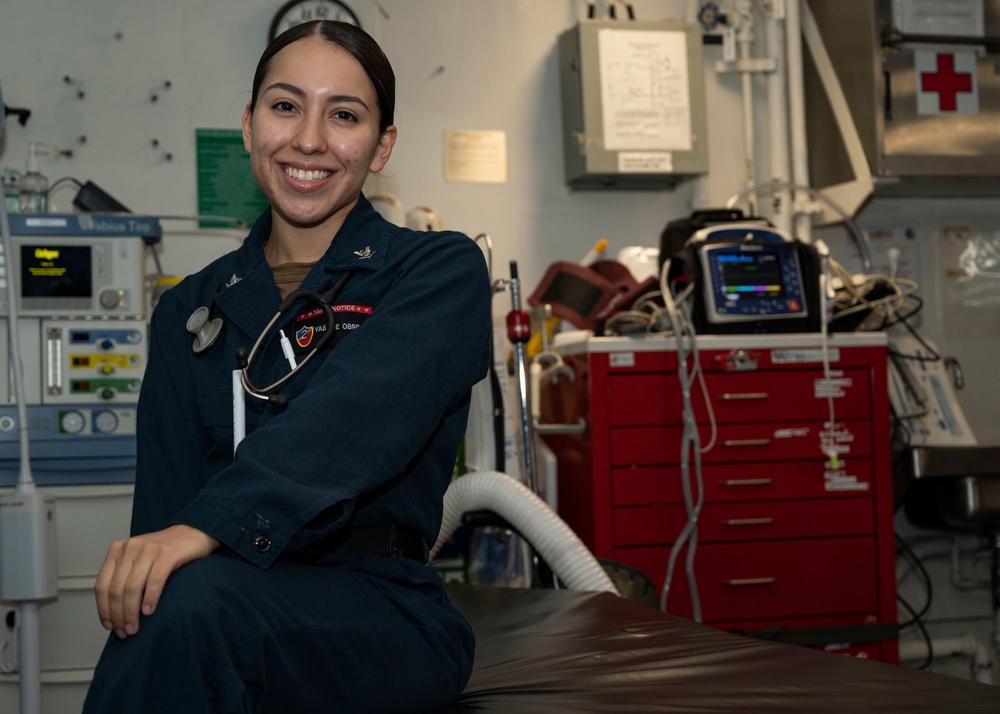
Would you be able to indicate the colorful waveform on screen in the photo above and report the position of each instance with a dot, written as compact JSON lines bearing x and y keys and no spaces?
{"x":753,"y":288}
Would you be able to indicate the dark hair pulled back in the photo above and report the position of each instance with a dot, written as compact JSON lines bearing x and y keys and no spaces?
{"x":351,"y":38}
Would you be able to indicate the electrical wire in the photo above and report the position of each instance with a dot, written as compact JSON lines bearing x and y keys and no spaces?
{"x":852,"y":298}
{"x":932,"y":356}
{"x":857,"y":235}
{"x":690,"y":444}
{"x":923,"y":631}
{"x":928,"y":585}
{"x":831,"y":452}
{"x":156,"y":258}
{"x":64,"y":179}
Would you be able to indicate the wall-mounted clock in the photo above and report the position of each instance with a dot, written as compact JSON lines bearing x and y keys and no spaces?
{"x":295,"y":12}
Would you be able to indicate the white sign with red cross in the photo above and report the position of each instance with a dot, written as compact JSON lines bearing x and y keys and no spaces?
{"x":946,"y":81}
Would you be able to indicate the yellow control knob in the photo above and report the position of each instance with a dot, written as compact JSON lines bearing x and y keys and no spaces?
{"x":107,"y":368}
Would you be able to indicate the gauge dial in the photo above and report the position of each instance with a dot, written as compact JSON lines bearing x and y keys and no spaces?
{"x":71,"y":422}
{"x":105,"y":421}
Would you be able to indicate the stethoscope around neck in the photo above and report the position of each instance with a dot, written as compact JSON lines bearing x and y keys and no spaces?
{"x":244,"y":358}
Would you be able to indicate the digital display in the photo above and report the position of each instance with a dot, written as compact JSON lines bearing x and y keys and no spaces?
{"x":750,"y":276}
{"x":752,"y":282}
{"x":56,"y":271}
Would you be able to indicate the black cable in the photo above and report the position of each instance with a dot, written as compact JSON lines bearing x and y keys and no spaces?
{"x":156,"y":258}
{"x":61,"y":180}
{"x":918,"y":305}
{"x":918,"y":564}
{"x":934,"y":356}
{"x":923,"y":631}
{"x":499,"y":436}
{"x":898,"y":430}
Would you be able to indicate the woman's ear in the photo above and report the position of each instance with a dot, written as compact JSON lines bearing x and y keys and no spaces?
{"x":383,"y":149}
{"x":247,"y":115}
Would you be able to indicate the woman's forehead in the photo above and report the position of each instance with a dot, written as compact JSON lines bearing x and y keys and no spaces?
{"x":314,"y":61}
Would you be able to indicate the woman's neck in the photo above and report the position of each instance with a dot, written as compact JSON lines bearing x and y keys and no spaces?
{"x":296,"y":244}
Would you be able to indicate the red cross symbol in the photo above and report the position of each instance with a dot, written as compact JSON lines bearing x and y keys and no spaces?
{"x":946,"y":82}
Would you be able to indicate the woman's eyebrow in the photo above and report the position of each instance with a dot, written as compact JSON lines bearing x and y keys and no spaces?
{"x":349,"y":98}
{"x":333,"y":99}
{"x":290,"y":88}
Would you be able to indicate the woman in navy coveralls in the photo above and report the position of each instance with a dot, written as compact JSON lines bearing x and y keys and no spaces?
{"x":291,"y":577}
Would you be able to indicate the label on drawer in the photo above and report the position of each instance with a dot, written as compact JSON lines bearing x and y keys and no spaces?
{"x":836,"y":440}
{"x":622,"y":359}
{"x":841,"y":480}
{"x":803,"y":356}
{"x":832,"y":387}
{"x":791,"y":433}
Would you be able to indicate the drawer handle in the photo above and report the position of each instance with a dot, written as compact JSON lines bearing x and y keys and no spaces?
{"x":744,"y":396}
{"x":748,"y":522}
{"x":748,"y":482}
{"x":746,"y":442}
{"x":751,"y":581}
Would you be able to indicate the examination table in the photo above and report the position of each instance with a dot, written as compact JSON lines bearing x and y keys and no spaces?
{"x":542,"y":651}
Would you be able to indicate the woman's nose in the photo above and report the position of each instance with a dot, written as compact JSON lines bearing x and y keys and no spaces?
{"x":310,"y":136}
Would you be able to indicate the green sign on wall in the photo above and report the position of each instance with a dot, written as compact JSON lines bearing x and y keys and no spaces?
{"x":225,"y":183}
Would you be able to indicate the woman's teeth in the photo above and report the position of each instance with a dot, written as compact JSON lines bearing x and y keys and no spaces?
{"x":300,"y":175}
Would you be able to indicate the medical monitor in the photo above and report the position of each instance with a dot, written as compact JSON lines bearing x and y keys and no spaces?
{"x":752,"y":282}
{"x":56,"y":271}
{"x":77,"y":265}
{"x":754,"y":279}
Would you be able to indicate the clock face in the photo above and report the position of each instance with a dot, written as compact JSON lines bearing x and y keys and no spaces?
{"x":295,"y":12}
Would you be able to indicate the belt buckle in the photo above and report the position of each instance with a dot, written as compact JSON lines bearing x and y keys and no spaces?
{"x":393,"y":549}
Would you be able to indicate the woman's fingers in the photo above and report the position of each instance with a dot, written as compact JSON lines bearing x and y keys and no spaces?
{"x":133,"y":575}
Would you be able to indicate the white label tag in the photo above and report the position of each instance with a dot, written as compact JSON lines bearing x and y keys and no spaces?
{"x":622,"y":359}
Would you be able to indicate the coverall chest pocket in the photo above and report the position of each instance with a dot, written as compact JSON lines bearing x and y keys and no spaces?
{"x":215,"y":409}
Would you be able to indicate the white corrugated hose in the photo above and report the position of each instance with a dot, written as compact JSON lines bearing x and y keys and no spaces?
{"x":555,"y":542}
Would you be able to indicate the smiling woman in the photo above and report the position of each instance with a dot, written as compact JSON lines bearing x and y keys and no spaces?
{"x":314,"y":129}
{"x":289,"y":574}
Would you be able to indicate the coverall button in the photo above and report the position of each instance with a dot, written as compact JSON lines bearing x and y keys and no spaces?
{"x":261,"y":543}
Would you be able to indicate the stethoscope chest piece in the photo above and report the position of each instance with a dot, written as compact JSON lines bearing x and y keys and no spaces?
{"x":205,"y":331}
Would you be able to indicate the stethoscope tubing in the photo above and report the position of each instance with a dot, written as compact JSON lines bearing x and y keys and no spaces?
{"x":323,"y":301}
{"x":313,"y":297}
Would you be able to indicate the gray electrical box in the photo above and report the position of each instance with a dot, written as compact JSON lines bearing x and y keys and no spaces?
{"x":633,"y":103}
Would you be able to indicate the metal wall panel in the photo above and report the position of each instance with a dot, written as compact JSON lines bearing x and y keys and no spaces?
{"x":875,"y":64}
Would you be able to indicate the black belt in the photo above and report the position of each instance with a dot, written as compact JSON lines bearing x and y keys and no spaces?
{"x":390,"y":540}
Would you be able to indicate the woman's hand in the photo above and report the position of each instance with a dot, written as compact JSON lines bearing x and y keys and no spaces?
{"x":136,"y":569}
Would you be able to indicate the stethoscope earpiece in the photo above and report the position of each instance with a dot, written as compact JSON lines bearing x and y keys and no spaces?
{"x":205,"y":331}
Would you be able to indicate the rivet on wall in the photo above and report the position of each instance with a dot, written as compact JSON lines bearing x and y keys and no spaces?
{"x":80,"y":94}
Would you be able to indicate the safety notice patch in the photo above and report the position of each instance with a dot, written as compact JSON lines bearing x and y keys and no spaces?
{"x":309,"y":327}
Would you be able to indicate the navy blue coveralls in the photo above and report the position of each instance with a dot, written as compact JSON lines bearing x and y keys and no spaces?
{"x":281,"y":619}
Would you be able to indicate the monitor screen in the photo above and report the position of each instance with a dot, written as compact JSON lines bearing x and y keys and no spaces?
{"x":752,"y":282}
{"x":750,"y":276}
{"x":56,"y":271}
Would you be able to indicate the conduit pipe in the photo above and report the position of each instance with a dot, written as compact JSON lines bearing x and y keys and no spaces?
{"x":777,"y":109}
{"x":744,"y":41}
{"x":961,"y":646}
{"x":797,"y":115}
{"x":530,"y":516}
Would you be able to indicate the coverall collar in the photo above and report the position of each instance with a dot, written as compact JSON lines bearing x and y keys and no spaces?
{"x":247,"y":295}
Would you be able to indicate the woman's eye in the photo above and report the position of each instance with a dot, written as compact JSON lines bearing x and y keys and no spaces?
{"x":344,"y":115}
{"x":284,"y":106}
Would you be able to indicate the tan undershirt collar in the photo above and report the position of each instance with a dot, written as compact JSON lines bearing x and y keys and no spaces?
{"x":289,"y":276}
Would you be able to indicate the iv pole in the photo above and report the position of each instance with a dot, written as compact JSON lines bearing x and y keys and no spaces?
{"x":27,"y":519}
